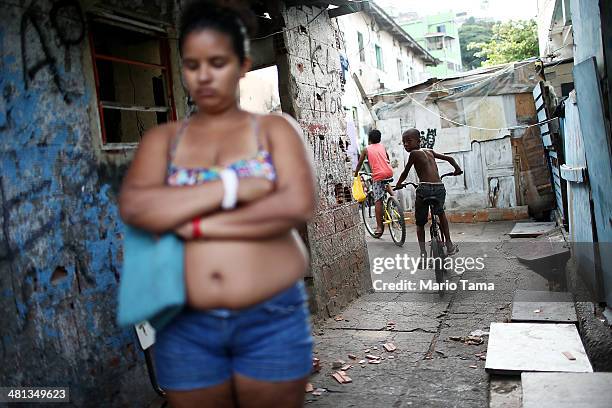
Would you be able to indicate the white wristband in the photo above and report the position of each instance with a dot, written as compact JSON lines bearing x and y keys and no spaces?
{"x":230,"y":188}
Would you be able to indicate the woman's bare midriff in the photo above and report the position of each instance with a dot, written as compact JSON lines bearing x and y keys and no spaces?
{"x":236,"y":274}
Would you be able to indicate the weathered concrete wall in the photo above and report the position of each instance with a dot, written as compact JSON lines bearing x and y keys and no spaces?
{"x":309,"y":71}
{"x":61,"y":235}
{"x":502,"y":168}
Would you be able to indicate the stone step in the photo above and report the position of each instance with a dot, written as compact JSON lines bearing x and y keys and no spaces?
{"x":543,"y":306}
{"x":567,"y":390}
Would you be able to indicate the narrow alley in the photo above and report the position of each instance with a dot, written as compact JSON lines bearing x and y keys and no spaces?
{"x":427,"y":369}
{"x":193,"y":194}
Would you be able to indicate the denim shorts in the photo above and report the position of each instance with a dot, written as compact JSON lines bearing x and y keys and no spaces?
{"x":270,"y":341}
{"x":428,"y":191}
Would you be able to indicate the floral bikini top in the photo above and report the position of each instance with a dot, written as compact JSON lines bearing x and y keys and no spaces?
{"x":260,"y":165}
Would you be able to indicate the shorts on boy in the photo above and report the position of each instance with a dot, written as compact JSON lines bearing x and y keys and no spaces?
{"x":427,"y":191}
{"x":379,"y":187}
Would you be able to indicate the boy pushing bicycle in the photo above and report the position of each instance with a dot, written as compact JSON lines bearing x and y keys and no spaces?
{"x":382,"y":173}
{"x":430,"y":185}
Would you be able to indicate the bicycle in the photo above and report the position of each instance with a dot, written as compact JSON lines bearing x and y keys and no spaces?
{"x":438,"y":249}
{"x":393,"y":215}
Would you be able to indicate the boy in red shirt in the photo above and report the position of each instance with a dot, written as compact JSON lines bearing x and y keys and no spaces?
{"x":382,"y":173}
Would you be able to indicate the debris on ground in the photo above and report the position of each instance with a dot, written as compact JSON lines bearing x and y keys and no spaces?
{"x":568,"y":355}
{"x":374,"y":348}
{"x":319,"y":391}
{"x":341,"y":377}
{"x":390,"y":325}
{"x":362,"y":361}
{"x":473,"y":366}
{"x":441,"y":353}
{"x":537,"y":311}
{"x":469,"y":340}
{"x":372,"y":357}
{"x":309,"y":387}
{"x":374,"y":361}
{"x":481,"y":356}
{"x":346,"y":367}
{"x":352,"y":357}
{"x":316,"y":365}
{"x":339,"y":318}
{"x":389,"y":347}
{"x":337,"y":364}
{"x":479,"y":333}
{"x":366,"y":350}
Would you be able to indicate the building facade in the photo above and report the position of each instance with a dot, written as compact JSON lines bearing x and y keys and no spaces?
{"x":439,"y":35}
{"x":383,"y":57}
{"x":555,"y":35}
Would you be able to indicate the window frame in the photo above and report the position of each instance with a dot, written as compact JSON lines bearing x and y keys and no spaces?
{"x":379,"y":57}
{"x":361,"y":47}
{"x":400,"y":70}
{"x":165,"y":66}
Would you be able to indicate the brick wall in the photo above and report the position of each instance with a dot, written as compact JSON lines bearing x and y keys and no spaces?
{"x":309,"y":72}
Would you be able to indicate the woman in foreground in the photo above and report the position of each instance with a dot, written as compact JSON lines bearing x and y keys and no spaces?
{"x":234,"y":185}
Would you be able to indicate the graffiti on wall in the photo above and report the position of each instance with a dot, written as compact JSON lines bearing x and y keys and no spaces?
{"x":428,"y":140}
{"x":36,"y":54}
{"x":60,"y":245}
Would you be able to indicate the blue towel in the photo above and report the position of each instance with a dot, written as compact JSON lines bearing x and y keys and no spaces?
{"x":152,"y":285}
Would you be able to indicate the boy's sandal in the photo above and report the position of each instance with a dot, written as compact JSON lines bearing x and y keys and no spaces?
{"x":452,"y":250}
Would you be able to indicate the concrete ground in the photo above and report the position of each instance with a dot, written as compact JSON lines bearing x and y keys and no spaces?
{"x":427,"y":369}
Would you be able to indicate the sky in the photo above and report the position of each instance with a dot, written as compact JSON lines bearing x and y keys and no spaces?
{"x":497,"y":9}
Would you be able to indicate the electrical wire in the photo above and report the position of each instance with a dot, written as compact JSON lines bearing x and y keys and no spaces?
{"x":477,"y":127}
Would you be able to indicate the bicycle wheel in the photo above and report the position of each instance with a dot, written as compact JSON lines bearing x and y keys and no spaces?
{"x":437,"y":252}
{"x":397,"y":223}
{"x":368,"y":213}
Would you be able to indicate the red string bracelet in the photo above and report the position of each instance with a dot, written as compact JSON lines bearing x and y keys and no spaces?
{"x":197,"y":232}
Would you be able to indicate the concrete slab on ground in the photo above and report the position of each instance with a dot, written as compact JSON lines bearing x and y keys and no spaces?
{"x":543,"y":306}
{"x":565,"y":390}
{"x":505,"y":392}
{"x":517,"y":347}
{"x":531,"y":229}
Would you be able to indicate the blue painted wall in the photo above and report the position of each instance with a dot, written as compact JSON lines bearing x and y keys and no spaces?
{"x":60,"y":252}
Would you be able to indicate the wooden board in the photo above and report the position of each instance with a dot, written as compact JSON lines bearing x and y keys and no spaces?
{"x":598,"y":153}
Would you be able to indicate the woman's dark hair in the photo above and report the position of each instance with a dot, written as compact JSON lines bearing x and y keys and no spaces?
{"x":230,"y":19}
{"x":374,"y":136}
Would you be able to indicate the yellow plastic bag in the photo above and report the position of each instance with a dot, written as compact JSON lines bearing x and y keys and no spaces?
{"x":358,"y":194}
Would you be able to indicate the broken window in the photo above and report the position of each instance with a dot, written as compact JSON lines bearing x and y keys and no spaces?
{"x":133,"y":79}
{"x":434,"y":43}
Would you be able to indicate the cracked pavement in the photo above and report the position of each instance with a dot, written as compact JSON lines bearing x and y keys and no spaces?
{"x":427,"y":369}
